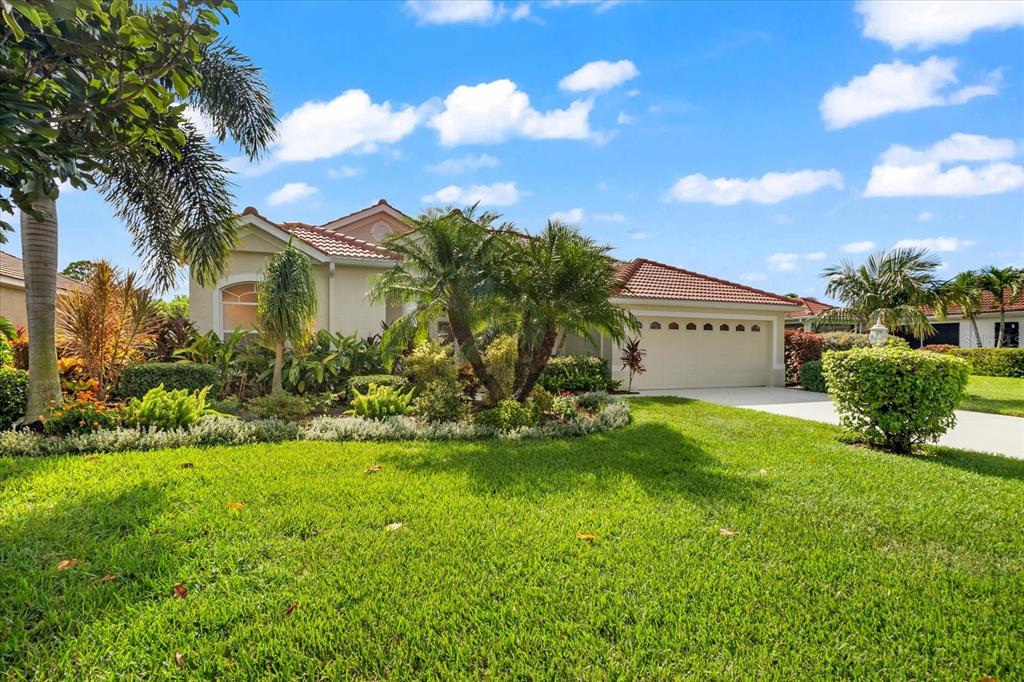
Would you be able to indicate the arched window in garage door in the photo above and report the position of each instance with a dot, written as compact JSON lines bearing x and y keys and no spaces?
{"x":723,"y":328}
{"x":690,"y":326}
{"x":740,"y":328}
{"x":673,"y":325}
{"x":655,"y":325}
{"x":708,"y":327}
{"x":755,"y":328}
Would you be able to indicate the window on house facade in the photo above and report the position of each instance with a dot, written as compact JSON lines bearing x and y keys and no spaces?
{"x":655,"y":325}
{"x":690,"y":326}
{"x":755,"y":328}
{"x":673,"y":325}
{"x":708,"y":327}
{"x":740,"y":328}
{"x":238,"y":306}
{"x":723,"y":328}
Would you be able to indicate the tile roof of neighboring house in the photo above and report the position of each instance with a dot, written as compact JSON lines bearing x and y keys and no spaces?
{"x":988,"y":305}
{"x":643,"y":278}
{"x":812,"y":307}
{"x":12,"y":267}
{"x":330,"y":243}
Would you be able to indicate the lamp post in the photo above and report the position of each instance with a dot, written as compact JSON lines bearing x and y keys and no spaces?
{"x":878,"y":334}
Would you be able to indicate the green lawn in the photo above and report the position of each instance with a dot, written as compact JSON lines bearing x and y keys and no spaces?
{"x":728,"y":544}
{"x":998,"y":395}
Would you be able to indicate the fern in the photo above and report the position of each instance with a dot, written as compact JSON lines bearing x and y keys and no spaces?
{"x":380,"y":402}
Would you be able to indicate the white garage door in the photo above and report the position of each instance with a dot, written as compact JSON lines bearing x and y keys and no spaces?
{"x":704,"y":353}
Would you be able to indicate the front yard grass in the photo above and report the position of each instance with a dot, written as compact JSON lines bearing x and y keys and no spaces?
{"x":997,"y":395}
{"x":726,"y":543}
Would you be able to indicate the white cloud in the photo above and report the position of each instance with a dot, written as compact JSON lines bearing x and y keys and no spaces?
{"x":349,"y":122}
{"x":943,"y":244}
{"x":454,"y":11}
{"x":202,"y":122}
{"x":610,"y":217}
{"x":632,"y":93}
{"x":344,"y":172}
{"x":783,"y":262}
{"x":600,"y":6}
{"x":498,"y":194}
{"x":624,"y":119}
{"x":638,"y":235}
{"x":599,"y":75}
{"x":906,"y":172}
{"x":243,"y":166}
{"x":462,"y":164}
{"x":753,"y":277}
{"x":815,"y":255}
{"x":857,"y":247}
{"x":292,"y":191}
{"x":923,"y":24}
{"x":890,"y":88}
{"x":925,"y":216}
{"x":770,"y":188}
{"x":493,"y":112}
{"x":573,"y":216}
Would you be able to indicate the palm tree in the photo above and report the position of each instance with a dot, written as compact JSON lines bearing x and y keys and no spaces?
{"x":447,"y":269}
{"x":1007,"y":286}
{"x":286,"y":304}
{"x":964,"y":292}
{"x":560,"y":281}
{"x":891,"y":287}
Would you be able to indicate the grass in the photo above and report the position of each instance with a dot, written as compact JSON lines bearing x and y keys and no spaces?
{"x":997,"y":395}
{"x":845,"y":562}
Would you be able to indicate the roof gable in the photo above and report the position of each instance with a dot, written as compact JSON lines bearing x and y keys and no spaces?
{"x":644,"y":278}
{"x":12,"y":267}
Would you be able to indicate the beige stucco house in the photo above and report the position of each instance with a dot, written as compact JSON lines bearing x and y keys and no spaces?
{"x":12,"y":289}
{"x":699,"y":331}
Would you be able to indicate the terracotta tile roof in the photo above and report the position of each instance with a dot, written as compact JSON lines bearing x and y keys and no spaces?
{"x":643,"y":278}
{"x":988,"y":305}
{"x":335,"y":243}
{"x":812,"y":307}
{"x":12,"y":267}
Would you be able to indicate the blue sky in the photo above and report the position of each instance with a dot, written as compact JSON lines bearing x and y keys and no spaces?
{"x":754,"y":142}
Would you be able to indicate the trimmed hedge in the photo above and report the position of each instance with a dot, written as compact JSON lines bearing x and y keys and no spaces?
{"x":988,"y":362}
{"x":138,"y":380}
{"x":895,"y":398}
{"x":811,"y":377}
{"x":13,"y":396}
{"x":576,"y":374}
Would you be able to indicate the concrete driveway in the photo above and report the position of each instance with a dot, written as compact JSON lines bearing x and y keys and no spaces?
{"x":973,"y":431}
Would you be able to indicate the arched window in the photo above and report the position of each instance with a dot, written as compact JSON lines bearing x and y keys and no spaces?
{"x":238,"y":306}
{"x":708,"y":327}
{"x":690,"y":326}
{"x":723,"y":328}
{"x":740,"y":328}
{"x":655,"y":325}
{"x":755,"y":328}
{"x":673,"y":325}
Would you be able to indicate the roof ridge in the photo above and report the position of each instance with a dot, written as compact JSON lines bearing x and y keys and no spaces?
{"x":763,"y":292}
{"x":380,"y":202}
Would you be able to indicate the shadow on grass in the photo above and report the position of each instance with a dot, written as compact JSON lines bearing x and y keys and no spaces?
{"x":659,"y":459}
{"x":1005,"y":407}
{"x":975,"y":462}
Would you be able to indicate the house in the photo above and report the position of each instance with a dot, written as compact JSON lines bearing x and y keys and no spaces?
{"x":804,"y":317}
{"x":960,"y":332}
{"x":699,"y":331}
{"x":12,"y":289}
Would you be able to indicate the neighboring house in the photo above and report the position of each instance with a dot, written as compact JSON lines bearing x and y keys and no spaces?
{"x":958,"y":331}
{"x":12,"y":289}
{"x":699,"y":331}
{"x":804,"y":317}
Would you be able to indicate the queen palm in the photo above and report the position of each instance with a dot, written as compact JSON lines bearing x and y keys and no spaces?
{"x":891,"y":287}
{"x":1006,"y":286}
{"x":963,"y":292}
{"x":112,"y":85}
{"x":286,"y":304}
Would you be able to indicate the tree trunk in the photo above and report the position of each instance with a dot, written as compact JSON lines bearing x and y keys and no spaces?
{"x":1002,"y":327}
{"x":537,"y":365}
{"x":39,"y":251}
{"x":977,"y":332}
{"x":467,"y":344}
{"x":275,"y":384}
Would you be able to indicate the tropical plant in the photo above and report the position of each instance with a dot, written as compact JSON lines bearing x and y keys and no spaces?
{"x":633,"y":359}
{"x":7,"y":329}
{"x":13,"y":392}
{"x":227,"y":355}
{"x":172,"y":333}
{"x":442,"y":400}
{"x":280,"y":405}
{"x":107,"y":323}
{"x":103,"y":94}
{"x":286,"y":304}
{"x":891,"y":287}
{"x":500,"y":357}
{"x":577,"y":374}
{"x":83,"y":413}
{"x":1006,"y":286}
{"x":164,"y":410}
{"x":380,"y":402}
{"x":964,"y":292}
{"x":428,"y":362}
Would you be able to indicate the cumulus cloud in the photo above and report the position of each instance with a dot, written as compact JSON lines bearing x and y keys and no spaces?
{"x":783,"y":262}
{"x":497,"y":194}
{"x":906,"y":172}
{"x":599,"y":75}
{"x":344,"y":172}
{"x":943,"y":244}
{"x":890,"y":88}
{"x":573,"y":216}
{"x":463,"y":164}
{"x":815,"y":255}
{"x":926,"y":23}
{"x":770,"y":188}
{"x":202,"y":122}
{"x":493,"y":112}
{"x":455,"y":11}
{"x":857,"y":247}
{"x":349,"y":122}
{"x":292,"y":191}
{"x":624,"y":119}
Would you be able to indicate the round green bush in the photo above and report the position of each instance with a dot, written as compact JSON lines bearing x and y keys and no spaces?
{"x":895,"y":398}
{"x":576,"y":374}
{"x":810,"y":376}
{"x":6,"y":352}
{"x":13,"y":395}
{"x":138,"y":380}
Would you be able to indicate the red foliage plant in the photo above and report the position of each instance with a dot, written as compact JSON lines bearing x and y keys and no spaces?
{"x":801,"y":347}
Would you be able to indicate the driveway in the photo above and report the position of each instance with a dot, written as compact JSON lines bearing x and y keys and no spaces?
{"x":973,"y":431}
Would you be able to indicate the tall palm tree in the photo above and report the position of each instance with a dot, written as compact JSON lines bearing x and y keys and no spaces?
{"x":963,"y":292}
{"x":447,"y":269}
{"x":890,"y":286}
{"x":286,"y":304}
{"x":1007,"y":286}
{"x":560,"y":281}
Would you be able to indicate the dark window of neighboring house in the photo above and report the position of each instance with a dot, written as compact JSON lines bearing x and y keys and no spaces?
{"x":1012,"y":338}
{"x":945,"y":332}
{"x":655,"y":325}
{"x":723,"y":328}
{"x":708,"y":327}
{"x":691,"y":326}
{"x":673,"y":325}
{"x":740,"y":328}
{"x":755,"y":328}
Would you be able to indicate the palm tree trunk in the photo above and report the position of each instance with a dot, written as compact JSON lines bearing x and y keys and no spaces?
{"x":39,"y":250}
{"x":467,"y":344}
{"x":275,"y":385}
{"x":537,"y":365}
{"x":977,"y":332}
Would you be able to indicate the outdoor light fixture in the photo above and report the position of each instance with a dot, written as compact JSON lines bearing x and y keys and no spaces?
{"x":878,"y":334}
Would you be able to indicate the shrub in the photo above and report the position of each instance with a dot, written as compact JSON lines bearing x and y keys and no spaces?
{"x":164,"y":410}
{"x":229,"y":405}
{"x":895,"y":398}
{"x":566,"y":407}
{"x":279,"y":405}
{"x":896,"y":342}
{"x":83,"y":414}
{"x":13,"y":394}
{"x":6,"y":353}
{"x":19,"y":351}
{"x":940,"y":347}
{"x":320,"y":403}
{"x":593,"y":400}
{"x":800,"y":347}
{"x":138,"y":380}
{"x":379,"y":402}
{"x":576,"y":374}
{"x":500,"y":360}
{"x":989,"y":362}
{"x":363,"y":383}
{"x":429,"y":362}
{"x":811,"y":377}
{"x":442,"y":400}
{"x":470,"y":384}
{"x":843,"y":341}
{"x":542,"y":399}
{"x":508,"y":416}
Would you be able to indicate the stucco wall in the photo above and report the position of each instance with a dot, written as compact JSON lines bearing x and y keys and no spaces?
{"x":987,"y":327}
{"x":12,"y":304}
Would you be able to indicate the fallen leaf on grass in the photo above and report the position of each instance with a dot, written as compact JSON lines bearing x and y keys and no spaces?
{"x":234,"y":506}
{"x":187,"y":465}
{"x":291,"y":607}
{"x":727,"y":532}
{"x":180,"y":591}
{"x":91,"y":458}
{"x":394,"y":526}
{"x":179,"y":659}
{"x":66,"y":564}
{"x":588,"y":537}
{"x":374,"y":469}
{"x":107,"y":578}
{"x":763,"y":472}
